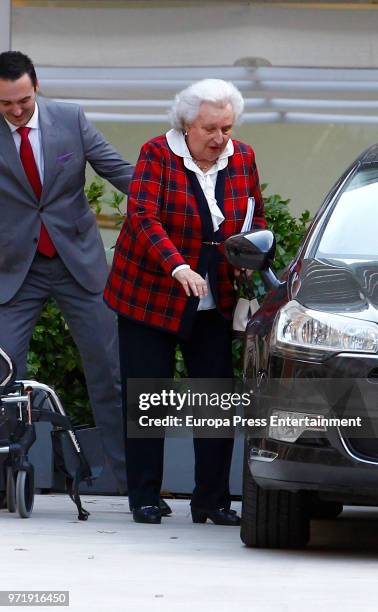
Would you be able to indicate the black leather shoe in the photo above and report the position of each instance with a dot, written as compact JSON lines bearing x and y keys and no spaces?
{"x":219,"y":516}
{"x":165,"y":510}
{"x":147,"y":514}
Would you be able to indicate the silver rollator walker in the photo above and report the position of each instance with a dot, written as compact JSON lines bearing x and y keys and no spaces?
{"x":78,"y":452}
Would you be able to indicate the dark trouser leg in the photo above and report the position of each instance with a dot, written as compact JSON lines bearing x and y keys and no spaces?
{"x":208,"y":354}
{"x":19,"y":316}
{"x":94,"y":330}
{"x":145,"y":352}
{"x":17,"y":320}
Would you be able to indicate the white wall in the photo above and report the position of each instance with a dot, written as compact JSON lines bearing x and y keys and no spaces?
{"x":5,"y":22}
{"x":299,"y":161}
{"x":192,"y":33}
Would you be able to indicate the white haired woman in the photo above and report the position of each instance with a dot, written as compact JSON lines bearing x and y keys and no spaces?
{"x":171,"y":284}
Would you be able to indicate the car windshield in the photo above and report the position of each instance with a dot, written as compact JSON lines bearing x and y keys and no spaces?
{"x":352,"y":229}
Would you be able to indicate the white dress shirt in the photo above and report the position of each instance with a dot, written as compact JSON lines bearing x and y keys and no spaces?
{"x":207,"y":180}
{"x":34,"y":139}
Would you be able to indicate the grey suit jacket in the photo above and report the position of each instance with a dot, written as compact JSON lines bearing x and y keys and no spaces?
{"x":68,"y":141}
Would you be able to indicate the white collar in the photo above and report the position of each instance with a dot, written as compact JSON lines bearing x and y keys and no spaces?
{"x":33,"y":122}
{"x":177,"y":144}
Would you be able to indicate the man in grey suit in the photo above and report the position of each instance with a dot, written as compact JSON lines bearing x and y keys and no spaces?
{"x":50,"y":245}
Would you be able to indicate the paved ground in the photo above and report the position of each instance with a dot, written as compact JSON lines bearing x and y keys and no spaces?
{"x":111,"y":563}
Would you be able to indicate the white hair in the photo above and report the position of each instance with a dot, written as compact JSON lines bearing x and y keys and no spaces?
{"x":186,"y":105}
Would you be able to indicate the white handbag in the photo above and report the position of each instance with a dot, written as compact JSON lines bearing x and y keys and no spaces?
{"x":246,"y":306}
{"x":244,"y":310}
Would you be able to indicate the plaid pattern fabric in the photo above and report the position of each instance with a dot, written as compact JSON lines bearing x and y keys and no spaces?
{"x":162,"y":230}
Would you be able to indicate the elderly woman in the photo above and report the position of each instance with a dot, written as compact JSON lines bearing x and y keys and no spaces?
{"x":171,"y":284}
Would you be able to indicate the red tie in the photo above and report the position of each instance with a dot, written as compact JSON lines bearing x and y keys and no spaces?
{"x":45,"y":245}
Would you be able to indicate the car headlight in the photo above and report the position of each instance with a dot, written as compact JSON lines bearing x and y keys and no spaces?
{"x":288,"y":426}
{"x":318,"y":334}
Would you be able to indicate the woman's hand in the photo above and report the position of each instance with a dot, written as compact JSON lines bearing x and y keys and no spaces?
{"x":192,"y":282}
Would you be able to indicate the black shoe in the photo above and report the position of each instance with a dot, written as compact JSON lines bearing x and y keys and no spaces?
{"x":219,"y":516}
{"x":165,"y":510}
{"x":147,"y":514}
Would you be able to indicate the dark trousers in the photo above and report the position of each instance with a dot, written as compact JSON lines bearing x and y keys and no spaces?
{"x":146,"y":352}
{"x":94,"y":329}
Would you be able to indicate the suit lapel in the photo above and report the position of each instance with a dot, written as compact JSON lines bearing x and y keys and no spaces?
{"x":12,"y":159}
{"x":219,"y":196}
{"x":203,"y":207}
{"x":50,"y":142}
{"x":219,"y":188}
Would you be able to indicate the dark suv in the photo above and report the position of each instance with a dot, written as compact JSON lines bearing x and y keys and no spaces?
{"x":311,"y":359}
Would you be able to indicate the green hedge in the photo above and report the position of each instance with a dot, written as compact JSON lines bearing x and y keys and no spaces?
{"x":54,"y":360}
{"x":53,"y":357}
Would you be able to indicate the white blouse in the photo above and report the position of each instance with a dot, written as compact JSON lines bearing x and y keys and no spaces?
{"x":207,"y":181}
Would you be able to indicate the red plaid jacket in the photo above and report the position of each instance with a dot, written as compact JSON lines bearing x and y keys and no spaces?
{"x":162,"y":230}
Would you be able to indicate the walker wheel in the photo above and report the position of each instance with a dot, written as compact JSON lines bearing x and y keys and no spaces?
{"x":11,"y":490}
{"x":25,"y":493}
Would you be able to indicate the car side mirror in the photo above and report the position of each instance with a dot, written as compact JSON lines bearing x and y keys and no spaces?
{"x":255,"y":251}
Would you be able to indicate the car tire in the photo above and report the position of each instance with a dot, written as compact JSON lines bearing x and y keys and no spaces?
{"x":273,"y":518}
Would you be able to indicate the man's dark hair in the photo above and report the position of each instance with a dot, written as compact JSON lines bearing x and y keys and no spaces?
{"x":14,"y":64}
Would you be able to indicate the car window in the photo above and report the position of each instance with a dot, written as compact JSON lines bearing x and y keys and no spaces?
{"x":352,"y":228}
